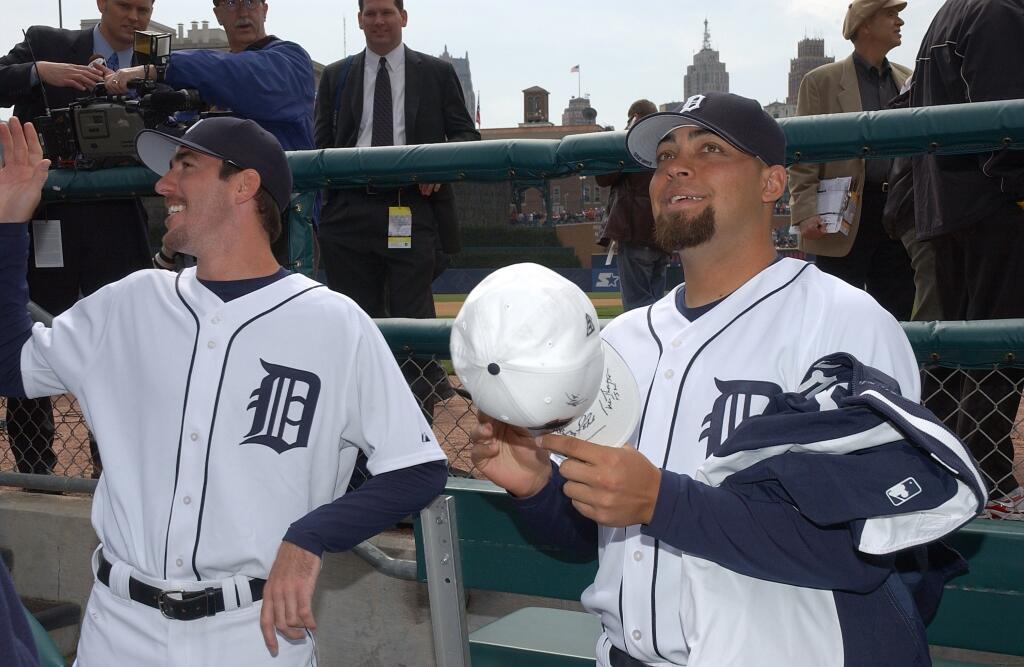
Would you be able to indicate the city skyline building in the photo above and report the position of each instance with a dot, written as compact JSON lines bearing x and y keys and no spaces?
{"x":462,"y":70}
{"x":579,"y":112}
{"x":707,"y":73}
{"x":810,"y":54}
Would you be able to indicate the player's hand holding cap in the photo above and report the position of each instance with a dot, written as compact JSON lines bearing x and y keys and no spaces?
{"x":527,"y":347}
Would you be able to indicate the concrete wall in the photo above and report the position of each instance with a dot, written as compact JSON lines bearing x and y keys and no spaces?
{"x":364,"y":617}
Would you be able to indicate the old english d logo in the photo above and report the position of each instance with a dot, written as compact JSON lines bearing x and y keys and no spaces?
{"x":739,"y":399}
{"x":284,"y":405}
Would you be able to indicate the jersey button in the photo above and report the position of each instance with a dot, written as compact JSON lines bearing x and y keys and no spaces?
{"x":179,"y":562}
{"x":669,"y":374}
{"x":194,"y":437}
{"x":187,"y":499}
{"x":216,"y":319}
{"x":636,"y":635}
{"x":638,"y":555}
{"x":211,"y":344}
{"x":676,"y":343}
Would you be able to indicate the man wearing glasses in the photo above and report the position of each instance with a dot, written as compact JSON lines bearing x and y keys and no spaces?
{"x":262,"y":78}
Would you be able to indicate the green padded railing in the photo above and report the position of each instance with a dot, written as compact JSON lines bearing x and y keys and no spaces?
{"x":960,"y":128}
{"x":981,"y":344}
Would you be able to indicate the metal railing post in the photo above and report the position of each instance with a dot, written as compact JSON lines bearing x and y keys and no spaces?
{"x":444,"y":583}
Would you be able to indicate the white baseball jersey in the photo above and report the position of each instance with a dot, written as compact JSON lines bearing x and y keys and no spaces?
{"x":700,"y":380}
{"x":222,"y":423}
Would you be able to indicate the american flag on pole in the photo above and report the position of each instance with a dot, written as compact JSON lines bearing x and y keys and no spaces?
{"x":478,"y":109}
{"x":575,"y":69}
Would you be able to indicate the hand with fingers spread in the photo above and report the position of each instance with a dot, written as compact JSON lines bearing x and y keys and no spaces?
{"x":614,"y":486}
{"x":68,"y":75}
{"x":509,"y":456}
{"x":23,"y":172}
{"x":288,"y":595}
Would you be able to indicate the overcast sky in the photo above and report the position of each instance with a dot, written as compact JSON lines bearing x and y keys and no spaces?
{"x":626,"y":49}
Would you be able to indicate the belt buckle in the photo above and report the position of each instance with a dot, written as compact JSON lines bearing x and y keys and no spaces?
{"x":164,"y":603}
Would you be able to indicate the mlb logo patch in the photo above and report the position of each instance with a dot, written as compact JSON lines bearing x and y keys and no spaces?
{"x":904,"y":491}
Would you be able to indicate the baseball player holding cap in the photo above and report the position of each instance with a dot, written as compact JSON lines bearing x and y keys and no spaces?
{"x":781,"y":460}
{"x":225,"y":482}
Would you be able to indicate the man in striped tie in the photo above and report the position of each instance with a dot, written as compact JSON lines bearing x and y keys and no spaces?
{"x":390,"y":95}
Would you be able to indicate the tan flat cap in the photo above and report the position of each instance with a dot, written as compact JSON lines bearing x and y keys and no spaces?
{"x":861,"y":10}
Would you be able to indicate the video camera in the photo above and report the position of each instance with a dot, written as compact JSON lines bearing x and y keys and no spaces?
{"x":99,"y":130}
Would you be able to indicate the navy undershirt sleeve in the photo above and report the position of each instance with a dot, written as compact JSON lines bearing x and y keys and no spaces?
{"x":379,"y":503}
{"x":15,"y":323}
{"x":550,"y":515}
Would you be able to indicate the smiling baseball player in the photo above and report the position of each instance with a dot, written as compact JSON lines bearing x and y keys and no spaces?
{"x":251,"y":389}
{"x":781,"y":460}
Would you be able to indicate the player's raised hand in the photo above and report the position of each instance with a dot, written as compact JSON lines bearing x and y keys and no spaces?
{"x":22,"y":173}
{"x":614,"y":486}
{"x":288,"y":595}
{"x":509,"y":457}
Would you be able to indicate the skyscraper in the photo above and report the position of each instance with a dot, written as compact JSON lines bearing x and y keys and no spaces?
{"x":810,"y":53}
{"x":707,"y":73}
{"x":461,"y":66}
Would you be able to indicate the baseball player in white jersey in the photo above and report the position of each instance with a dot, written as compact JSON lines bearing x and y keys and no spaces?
{"x":776,"y":469}
{"x":250,"y":391}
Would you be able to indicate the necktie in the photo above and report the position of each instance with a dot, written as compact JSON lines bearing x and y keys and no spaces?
{"x":113,"y":62}
{"x":383,"y":120}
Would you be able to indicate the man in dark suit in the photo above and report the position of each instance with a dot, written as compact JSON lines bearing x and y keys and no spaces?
{"x":101,"y":241}
{"x":389,"y":95}
{"x":427,"y":106}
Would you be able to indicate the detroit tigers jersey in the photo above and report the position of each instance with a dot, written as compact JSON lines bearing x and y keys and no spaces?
{"x":699,"y":381}
{"x":222,"y":423}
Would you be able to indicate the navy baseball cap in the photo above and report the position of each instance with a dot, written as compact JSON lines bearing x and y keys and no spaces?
{"x":240,"y":142}
{"x":739,"y":120}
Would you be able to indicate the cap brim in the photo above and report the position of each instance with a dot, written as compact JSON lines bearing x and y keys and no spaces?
{"x":155,"y":149}
{"x":613,"y":416}
{"x":644,"y":137}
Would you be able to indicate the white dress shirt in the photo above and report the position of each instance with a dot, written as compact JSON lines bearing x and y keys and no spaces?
{"x":396,"y":70}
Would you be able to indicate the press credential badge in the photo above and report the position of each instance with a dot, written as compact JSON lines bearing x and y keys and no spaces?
{"x":399,"y":227}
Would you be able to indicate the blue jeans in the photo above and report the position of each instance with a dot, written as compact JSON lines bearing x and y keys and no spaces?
{"x":641,"y":275}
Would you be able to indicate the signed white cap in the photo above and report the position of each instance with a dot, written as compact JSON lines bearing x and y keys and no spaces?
{"x":526,"y":346}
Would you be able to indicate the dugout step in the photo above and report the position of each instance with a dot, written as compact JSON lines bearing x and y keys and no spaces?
{"x":539,"y":637}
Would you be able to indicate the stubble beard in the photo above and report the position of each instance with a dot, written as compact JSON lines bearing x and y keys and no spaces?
{"x":675,"y":230}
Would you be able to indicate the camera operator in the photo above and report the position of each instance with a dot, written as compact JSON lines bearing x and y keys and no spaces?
{"x":263,"y":78}
{"x":86,"y":244}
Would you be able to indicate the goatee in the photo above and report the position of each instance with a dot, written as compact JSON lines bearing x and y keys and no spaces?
{"x":675,"y":230}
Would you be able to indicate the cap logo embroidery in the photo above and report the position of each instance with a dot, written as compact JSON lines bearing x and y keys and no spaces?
{"x":692,"y":103}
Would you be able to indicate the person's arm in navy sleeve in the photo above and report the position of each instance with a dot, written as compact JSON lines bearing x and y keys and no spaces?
{"x":550,"y":516}
{"x":274,"y":83}
{"x":15,"y":324}
{"x":379,"y":503}
{"x":22,"y":174}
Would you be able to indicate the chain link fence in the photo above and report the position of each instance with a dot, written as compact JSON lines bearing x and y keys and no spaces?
{"x":983,"y":406}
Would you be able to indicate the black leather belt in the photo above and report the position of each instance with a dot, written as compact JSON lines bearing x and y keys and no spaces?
{"x":620,"y":658}
{"x":191,"y":605}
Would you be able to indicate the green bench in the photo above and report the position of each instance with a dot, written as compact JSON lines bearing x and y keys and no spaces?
{"x":486,"y":548}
